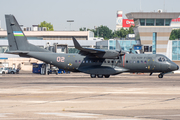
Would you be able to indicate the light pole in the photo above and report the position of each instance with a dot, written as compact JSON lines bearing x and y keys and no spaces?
{"x":70,"y":21}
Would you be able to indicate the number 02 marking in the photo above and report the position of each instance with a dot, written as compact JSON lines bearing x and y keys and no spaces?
{"x":60,"y":59}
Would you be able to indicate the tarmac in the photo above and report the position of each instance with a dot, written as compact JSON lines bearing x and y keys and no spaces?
{"x":76,"y":96}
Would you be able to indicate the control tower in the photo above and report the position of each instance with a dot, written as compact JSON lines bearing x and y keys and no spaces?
{"x":153,"y":29}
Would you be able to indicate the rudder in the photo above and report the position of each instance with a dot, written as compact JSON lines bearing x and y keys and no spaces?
{"x":16,"y":38}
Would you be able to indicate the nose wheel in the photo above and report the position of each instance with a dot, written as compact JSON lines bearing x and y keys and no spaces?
{"x":160,"y":75}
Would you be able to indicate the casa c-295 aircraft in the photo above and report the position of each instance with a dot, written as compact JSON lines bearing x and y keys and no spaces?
{"x":96,"y":62}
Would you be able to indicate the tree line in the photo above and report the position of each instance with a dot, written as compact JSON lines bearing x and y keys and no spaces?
{"x":106,"y":33}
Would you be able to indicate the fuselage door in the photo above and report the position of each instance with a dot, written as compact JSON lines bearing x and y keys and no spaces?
{"x":151,"y":66}
{"x":70,"y":62}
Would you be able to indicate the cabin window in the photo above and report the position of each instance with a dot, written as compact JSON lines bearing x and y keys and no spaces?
{"x":145,"y":61}
{"x":137,"y":61}
{"x":94,"y":61}
{"x":83,"y":61}
{"x":141,"y":61}
{"x":134,"y":61}
{"x":86,"y":61}
{"x":126,"y":61}
{"x":104,"y":61}
{"x":101,"y":61}
{"x":108,"y":61}
{"x":112,"y":61}
{"x":75,"y":61}
{"x":90,"y":61}
{"x":79,"y":61}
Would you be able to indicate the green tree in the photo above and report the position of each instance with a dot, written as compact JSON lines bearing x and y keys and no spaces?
{"x":49,"y":26}
{"x":82,"y":29}
{"x":103,"y":31}
{"x":131,"y":31}
{"x":175,"y":34}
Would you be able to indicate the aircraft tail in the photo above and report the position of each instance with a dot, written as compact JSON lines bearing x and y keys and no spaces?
{"x":16,"y":38}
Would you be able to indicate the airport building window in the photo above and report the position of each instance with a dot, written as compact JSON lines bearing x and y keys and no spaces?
{"x":149,"y":22}
{"x":176,"y":50}
{"x":154,"y":43}
{"x":146,"y":48}
{"x":4,"y":49}
{"x":167,"y":22}
{"x":142,"y":22}
{"x":159,"y":22}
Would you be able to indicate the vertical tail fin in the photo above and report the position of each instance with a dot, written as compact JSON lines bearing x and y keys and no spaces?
{"x":16,"y":38}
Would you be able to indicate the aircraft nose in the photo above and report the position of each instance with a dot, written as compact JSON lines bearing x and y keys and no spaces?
{"x":174,"y":67}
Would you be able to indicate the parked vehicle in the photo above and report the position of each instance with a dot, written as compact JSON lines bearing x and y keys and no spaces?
{"x":3,"y":70}
{"x":12,"y":70}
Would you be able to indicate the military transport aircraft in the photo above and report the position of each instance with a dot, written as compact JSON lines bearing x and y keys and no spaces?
{"x":96,"y":62}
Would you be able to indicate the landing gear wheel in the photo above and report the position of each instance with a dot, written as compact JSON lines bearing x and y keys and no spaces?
{"x":160,"y":76}
{"x":106,"y":76}
{"x":93,"y":76}
{"x":100,"y":76}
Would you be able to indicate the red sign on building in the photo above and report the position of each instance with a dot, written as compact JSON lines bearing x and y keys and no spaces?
{"x":176,"y":20}
{"x":127,"y":23}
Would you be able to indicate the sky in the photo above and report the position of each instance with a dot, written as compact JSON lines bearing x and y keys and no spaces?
{"x":85,"y":13}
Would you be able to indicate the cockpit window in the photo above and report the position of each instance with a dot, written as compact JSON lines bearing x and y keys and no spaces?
{"x":162,"y":59}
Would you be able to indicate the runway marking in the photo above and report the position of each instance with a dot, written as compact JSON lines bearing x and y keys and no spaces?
{"x":5,"y":114}
{"x":121,"y":119}
{"x":72,"y":115}
{"x":159,"y":115}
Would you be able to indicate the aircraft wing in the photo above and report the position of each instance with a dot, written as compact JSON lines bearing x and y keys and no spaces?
{"x":86,"y":50}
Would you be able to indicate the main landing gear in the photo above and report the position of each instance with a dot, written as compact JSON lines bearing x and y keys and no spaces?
{"x":99,"y":76}
{"x":160,"y":75}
